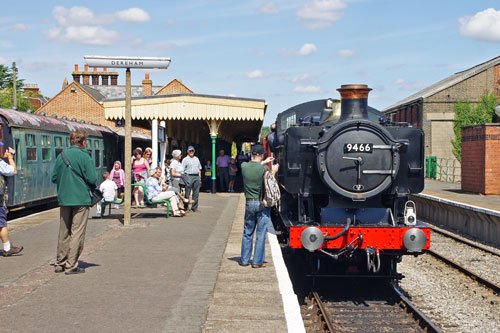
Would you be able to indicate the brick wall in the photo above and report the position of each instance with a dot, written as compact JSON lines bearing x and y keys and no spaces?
{"x":481,"y":159}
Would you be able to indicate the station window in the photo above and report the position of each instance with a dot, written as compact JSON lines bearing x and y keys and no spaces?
{"x":46,"y":153}
{"x":58,"y":144}
{"x":30,"y":147}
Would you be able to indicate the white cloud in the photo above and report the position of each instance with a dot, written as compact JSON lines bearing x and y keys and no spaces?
{"x":346,"y":53}
{"x":269,"y":8}
{"x":81,"y":25}
{"x":89,"y":35}
{"x":305,"y":50}
{"x":19,"y":27}
{"x":255,"y":74}
{"x":303,"y":78}
{"x":408,"y":86}
{"x":307,"y":89}
{"x":319,"y":14}
{"x":136,"y":15}
{"x":484,"y":25}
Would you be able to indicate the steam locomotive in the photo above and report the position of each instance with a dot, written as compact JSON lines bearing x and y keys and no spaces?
{"x":345,"y":176}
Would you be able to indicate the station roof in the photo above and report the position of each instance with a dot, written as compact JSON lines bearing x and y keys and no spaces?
{"x":245,"y":114}
{"x":445,"y":83}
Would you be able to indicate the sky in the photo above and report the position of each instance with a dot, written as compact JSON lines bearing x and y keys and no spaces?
{"x":285,"y":52}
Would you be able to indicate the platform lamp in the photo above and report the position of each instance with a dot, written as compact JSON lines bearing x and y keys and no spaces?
{"x":128,"y":63}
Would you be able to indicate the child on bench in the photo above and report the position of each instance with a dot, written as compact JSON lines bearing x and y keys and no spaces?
{"x":109,"y":191}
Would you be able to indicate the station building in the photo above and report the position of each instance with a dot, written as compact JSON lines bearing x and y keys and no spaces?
{"x":432,"y":108}
{"x":172,"y":114}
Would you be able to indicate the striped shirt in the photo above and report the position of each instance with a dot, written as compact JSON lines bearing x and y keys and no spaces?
{"x":191,"y":165}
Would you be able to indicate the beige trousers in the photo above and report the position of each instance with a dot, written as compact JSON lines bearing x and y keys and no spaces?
{"x":73,"y":223}
{"x":170,"y":196}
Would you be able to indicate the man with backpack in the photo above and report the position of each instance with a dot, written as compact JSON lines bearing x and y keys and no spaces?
{"x":257,"y":216}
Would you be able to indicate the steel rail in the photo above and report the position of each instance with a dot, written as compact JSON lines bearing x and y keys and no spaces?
{"x":490,"y":285}
{"x":464,"y":240}
{"x":409,"y":306}
{"x":325,"y":317}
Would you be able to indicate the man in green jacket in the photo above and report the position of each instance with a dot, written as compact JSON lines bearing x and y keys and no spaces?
{"x":74,"y":201}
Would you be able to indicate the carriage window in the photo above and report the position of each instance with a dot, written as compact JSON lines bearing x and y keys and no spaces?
{"x":89,"y":144}
{"x":67,"y":143}
{"x":97,"y":158}
{"x":46,"y":153}
{"x":30,"y":147}
{"x":288,"y":121}
{"x":58,"y":145}
{"x":19,"y":159}
{"x":96,"y":144}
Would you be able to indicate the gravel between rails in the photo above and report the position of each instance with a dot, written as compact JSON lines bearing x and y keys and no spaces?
{"x":481,"y":263}
{"x":450,"y":299}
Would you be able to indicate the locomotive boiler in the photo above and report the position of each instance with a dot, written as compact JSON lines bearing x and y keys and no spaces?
{"x":345,"y":176}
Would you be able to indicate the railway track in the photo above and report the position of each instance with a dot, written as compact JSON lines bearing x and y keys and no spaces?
{"x":382,"y":310}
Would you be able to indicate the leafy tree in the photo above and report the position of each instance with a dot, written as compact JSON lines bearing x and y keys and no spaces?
{"x":466,"y":114}
{"x":265,"y":130}
{"x":7,"y":77}
{"x":234,"y":150}
{"x":7,"y":100}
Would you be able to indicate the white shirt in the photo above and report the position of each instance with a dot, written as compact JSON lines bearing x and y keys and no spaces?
{"x":108,"y":188}
{"x":177,"y":166}
{"x":6,"y":170}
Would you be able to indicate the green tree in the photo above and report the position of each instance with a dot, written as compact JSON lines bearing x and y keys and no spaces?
{"x":7,"y":100}
{"x":7,"y":78}
{"x":234,"y":150}
{"x":264,"y":131}
{"x":466,"y":114}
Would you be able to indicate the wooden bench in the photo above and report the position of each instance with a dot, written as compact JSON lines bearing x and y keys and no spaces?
{"x":150,"y":203}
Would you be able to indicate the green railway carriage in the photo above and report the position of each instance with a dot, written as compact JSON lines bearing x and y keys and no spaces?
{"x":38,"y":140}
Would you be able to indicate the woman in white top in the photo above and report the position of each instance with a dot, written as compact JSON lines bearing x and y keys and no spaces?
{"x":176,"y":169}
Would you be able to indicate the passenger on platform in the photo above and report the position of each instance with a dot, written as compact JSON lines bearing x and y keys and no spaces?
{"x":148,"y":153}
{"x":133,"y":155}
{"x":140,"y":169}
{"x":109,"y":191}
{"x":74,"y":201}
{"x":118,"y":176}
{"x":6,"y":170}
{"x":166,"y":172}
{"x":233,"y":169}
{"x":222,"y":164}
{"x":208,"y":176}
{"x":157,"y":193}
{"x":192,"y":169}
{"x":256,"y":217}
{"x":176,"y":169}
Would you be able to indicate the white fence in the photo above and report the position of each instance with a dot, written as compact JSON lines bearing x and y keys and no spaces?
{"x":448,"y":170}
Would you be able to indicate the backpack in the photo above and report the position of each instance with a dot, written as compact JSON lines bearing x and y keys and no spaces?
{"x":270,"y":192}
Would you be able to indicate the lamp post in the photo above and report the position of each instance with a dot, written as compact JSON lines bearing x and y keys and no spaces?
{"x":128,"y":63}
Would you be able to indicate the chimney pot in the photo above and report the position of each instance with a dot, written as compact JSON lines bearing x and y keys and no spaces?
{"x":104,"y":69}
{"x":147,"y":76}
{"x":95,"y":69}
{"x":76,"y":67}
{"x":86,"y":67}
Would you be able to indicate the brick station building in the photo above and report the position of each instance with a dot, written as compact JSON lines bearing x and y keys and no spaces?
{"x":432,"y":108}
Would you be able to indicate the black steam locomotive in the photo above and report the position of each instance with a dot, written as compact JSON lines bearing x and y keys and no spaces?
{"x":345,"y":175}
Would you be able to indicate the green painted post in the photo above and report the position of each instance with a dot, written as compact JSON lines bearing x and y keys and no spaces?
{"x":214,"y":182}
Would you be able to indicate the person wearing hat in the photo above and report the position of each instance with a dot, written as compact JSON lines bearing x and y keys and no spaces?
{"x":156,"y":192}
{"x":6,"y":170}
{"x":256,"y":216}
{"x":192,"y":168}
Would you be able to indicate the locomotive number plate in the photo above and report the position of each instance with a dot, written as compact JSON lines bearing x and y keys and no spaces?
{"x":358,"y":148}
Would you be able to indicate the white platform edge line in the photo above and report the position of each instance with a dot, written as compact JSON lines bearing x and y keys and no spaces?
{"x":461,"y":204}
{"x":290,"y":302}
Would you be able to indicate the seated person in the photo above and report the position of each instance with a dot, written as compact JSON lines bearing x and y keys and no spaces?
{"x":157,"y":193}
{"x":109,"y":191}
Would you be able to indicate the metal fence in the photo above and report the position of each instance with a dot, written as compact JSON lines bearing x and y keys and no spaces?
{"x":448,"y":170}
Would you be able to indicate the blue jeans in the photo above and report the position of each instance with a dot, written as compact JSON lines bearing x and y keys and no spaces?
{"x":258,"y":218}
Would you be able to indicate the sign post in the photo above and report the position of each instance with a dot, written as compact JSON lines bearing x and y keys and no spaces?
{"x":128,"y":63}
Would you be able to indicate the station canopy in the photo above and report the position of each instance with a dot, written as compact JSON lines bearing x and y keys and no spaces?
{"x":230,"y":118}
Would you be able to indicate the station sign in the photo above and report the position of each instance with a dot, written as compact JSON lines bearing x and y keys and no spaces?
{"x":127,"y":62}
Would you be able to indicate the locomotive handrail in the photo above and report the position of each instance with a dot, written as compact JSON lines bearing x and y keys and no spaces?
{"x":347,"y":226}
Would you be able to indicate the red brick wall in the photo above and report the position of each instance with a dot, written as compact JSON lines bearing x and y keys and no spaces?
{"x":174,"y":87}
{"x":481,"y":159}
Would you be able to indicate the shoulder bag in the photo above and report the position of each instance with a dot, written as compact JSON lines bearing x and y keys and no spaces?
{"x":94,"y":192}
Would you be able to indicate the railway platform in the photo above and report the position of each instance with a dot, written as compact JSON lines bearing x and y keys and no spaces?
{"x":158,"y":275}
{"x":474,"y":215}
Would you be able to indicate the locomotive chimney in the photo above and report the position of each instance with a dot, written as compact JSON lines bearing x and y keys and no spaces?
{"x":354,"y":101}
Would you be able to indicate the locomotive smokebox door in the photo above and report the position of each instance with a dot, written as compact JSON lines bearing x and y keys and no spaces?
{"x":357,"y":158}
